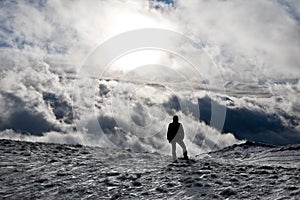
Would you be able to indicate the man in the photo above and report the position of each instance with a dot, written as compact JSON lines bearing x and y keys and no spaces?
{"x":175,"y":135}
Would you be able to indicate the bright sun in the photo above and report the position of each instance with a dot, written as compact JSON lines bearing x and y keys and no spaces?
{"x":136,"y":59}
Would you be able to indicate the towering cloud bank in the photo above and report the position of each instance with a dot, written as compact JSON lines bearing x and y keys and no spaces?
{"x":255,"y":44}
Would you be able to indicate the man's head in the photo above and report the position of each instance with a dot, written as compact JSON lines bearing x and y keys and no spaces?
{"x":175,"y":118}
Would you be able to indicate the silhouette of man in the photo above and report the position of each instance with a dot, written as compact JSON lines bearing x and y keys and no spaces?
{"x":175,"y":135}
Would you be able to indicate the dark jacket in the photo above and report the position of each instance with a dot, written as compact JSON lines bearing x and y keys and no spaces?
{"x":175,"y":132}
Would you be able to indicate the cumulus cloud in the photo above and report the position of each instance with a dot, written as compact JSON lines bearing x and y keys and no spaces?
{"x":43,"y":44}
{"x":45,"y":30}
{"x":252,"y":40}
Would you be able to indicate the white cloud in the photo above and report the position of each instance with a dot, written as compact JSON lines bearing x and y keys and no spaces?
{"x":43,"y":44}
{"x":251,"y":40}
{"x":256,"y":39}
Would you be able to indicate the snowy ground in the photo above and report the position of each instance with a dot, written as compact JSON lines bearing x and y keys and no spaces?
{"x":250,"y":171}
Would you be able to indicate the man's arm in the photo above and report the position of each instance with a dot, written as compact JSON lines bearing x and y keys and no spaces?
{"x":181,"y":131}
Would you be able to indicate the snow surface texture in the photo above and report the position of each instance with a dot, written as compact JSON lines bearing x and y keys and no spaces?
{"x":250,"y":170}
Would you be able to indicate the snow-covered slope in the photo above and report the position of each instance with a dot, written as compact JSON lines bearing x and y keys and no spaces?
{"x":51,"y":171}
{"x":261,"y":154}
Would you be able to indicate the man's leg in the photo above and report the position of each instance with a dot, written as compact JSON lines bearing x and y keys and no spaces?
{"x":174,"y":150}
{"x":181,"y":143}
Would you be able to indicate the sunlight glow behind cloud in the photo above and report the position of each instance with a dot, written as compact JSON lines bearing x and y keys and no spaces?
{"x":43,"y":44}
{"x":251,"y":40}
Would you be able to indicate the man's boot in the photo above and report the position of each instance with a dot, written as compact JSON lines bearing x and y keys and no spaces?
{"x":185,"y":156}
